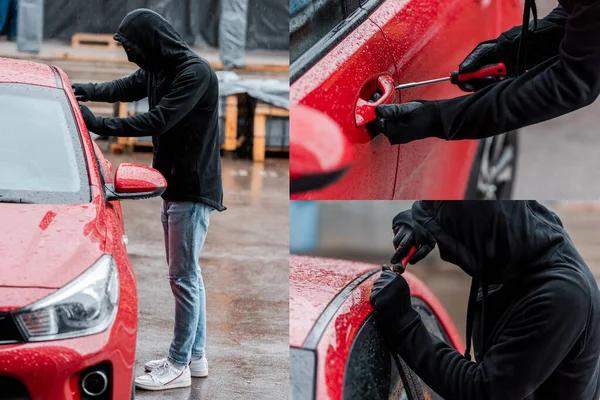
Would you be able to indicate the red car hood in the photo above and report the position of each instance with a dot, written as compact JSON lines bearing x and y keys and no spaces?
{"x":314,"y":282}
{"x":46,"y":246}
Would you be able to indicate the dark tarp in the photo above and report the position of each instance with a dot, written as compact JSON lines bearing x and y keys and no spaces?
{"x":196,"y":20}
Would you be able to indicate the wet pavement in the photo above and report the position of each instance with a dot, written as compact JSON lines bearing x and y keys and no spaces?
{"x":245,"y":269}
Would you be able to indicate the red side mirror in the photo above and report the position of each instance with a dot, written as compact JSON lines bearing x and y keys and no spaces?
{"x":319,"y":151}
{"x":133,"y":181}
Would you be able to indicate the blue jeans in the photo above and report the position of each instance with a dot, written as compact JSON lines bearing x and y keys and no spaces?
{"x":185,"y":225}
{"x":9,"y":8}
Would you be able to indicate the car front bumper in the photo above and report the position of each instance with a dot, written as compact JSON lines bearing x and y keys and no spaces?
{"x":52,"y":370}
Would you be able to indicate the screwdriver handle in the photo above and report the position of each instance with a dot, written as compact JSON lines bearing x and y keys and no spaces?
{"x":406,"y":259}
{"x":495,"y":70}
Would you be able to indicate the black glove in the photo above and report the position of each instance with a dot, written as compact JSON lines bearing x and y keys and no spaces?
{"x":409,"y":233}
{"x":83,"y":91}
{"x":485,"y":54}
{"x":91,"y":121}
{"x":390,"y":297}
{"x":404,"y":123}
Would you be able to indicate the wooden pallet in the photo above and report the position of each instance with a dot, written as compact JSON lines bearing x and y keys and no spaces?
{"x":94,"y":40}
{"x":261,"y":113}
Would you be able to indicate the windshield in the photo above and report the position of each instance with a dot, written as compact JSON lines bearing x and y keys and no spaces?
{"x":41,"y":158}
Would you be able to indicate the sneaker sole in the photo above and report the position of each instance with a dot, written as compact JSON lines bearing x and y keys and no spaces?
{"x":195,"y":374}
{"x":157,"y":388}
{"x":199,"y":374}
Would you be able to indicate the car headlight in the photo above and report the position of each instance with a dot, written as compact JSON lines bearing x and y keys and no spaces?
{"x":85,"y":306}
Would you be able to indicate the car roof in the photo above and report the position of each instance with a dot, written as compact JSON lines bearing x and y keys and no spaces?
{"x":28,"y":72}
{"x":314,"y":283}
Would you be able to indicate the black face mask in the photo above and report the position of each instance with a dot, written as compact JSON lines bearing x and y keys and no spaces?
{"x":137,"y":57}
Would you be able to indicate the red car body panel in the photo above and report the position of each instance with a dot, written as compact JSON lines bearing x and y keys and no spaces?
{"x":48,"y":246}
{"x":424,"y":39}
{"x":333,"y":86}
{"x":132,"y":178}
{"x":314,"y":283}
{"x":27,"y":72}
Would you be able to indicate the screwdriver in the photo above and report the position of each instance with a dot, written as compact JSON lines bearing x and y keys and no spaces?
{"x":405,"y":260}
{"x":495,"y":70}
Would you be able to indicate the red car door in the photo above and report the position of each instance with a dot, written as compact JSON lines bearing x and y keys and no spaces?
{"x":339,"y":61}
{"x":429,"y":38}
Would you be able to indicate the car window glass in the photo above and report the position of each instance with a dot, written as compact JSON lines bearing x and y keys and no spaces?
{"x":310,"y":20}
{"x":41,"y":159}
{"x":369,"y":372}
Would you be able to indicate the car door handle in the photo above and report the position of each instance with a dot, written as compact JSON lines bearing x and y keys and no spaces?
{"x":365,"y":108}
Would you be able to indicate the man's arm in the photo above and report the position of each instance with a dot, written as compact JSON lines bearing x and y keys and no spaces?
{"x":186,"y":91}
{"x":558,"y":86}
{"x":130,"y":88}
{"x":542,"y":44}
{"x":517,"y":363}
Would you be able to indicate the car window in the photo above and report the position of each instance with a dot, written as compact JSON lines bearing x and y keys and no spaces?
{"x":41,"y":158}
{"x":370,"y":373}
{"x":311,"y":20}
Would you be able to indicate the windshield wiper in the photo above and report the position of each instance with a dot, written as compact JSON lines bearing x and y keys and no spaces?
{"x":14,"y":200}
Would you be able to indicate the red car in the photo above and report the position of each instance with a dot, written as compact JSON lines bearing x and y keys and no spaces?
{"x":336,"y":351}
{"x":68,"y":303}
{"x":347,"y":56}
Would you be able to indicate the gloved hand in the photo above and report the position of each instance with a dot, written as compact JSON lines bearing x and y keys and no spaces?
{"x":83,"y":91}
{"x":390,"y":298}
{"x":91,"y":121}
{"x":487,"y":53}
{"x":406,"y":122}
{"x":409,"y":233}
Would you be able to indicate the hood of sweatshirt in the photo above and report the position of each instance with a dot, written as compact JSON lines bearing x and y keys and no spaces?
{"x":150,"y":41}
{"x":495,"y":242}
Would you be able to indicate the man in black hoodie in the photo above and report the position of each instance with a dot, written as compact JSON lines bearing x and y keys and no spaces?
{"x":183,"y":94}
{"x":534,"y":308}
{"x":552,"y":70}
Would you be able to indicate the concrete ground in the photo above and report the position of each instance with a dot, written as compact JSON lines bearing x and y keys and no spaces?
{"x":245,"y":269}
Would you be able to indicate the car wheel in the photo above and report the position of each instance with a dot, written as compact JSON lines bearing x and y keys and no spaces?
{"x":493,"y":173}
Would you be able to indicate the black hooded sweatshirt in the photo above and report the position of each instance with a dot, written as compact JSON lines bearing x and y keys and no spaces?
{"x":536,"y":313}
{"x":183,"y":94}
{"x":563,"y":59}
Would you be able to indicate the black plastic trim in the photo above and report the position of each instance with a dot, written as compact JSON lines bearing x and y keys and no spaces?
{"x":313,"y":337}
{"x":11,"y":333}
{"x":59,"y":83}
{"x":112,"y":194}
{"x":316,"y":181}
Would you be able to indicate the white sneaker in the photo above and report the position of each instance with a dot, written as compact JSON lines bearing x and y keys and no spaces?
{"x":164,"y":376}
{"x":198,"y":368}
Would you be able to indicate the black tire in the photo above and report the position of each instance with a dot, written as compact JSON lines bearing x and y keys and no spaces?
{"x":482,"y":184}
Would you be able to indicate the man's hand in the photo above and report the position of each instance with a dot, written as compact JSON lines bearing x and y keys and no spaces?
{"x":390,"y":297}
{"x":485,"y":54}
{"x":404,"y":123}
{"x":91,"y":121}
{"x":83,"y":91}
{"x":407,"y":234}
